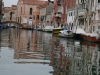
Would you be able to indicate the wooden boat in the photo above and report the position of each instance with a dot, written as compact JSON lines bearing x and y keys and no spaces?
{"x":57,"y":30}
{"x":91,"y":38}
{"x":77,"y":33}
{"x":66,"y":33}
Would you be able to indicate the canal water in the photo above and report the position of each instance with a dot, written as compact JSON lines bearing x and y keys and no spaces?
{"x":26,"y":52}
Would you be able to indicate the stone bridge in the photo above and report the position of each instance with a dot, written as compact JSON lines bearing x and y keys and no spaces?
{"x":13,"y":22}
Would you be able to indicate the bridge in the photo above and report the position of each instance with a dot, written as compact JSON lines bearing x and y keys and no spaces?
{"x":18,"y":24}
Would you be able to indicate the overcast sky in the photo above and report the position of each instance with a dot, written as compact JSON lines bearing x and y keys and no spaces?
{"x":8,"y":3}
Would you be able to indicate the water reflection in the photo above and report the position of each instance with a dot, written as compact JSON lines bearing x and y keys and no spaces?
{"x":46,"y":54}
{"x":70,"y":57}
{"x":32,"y":45}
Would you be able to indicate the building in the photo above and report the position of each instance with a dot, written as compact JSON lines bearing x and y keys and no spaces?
{"x":42,"y":15}
{"x":6,"y":15}
{"x":88,"y":15}
{"x":36,"y":17}
{"x":60,"y":12}
{"x":13,"y":12}
{"x":27,"y":11}
{"x":71,"y":13}
{"x":96,"y":15}
{"x":49,"y":14}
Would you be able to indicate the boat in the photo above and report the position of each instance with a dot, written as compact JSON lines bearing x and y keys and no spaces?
{"x":0,"y":25}
{"x":66,"y":33}
{"x":48,"y":28}
{"x":89,"y":25}
{"x":93,"y":37}
{"x":56,"y":30}
{"x":77,"y":33}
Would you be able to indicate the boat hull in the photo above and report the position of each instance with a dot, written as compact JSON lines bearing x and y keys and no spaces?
{"x":56,"y":31}
{"x":77,"y":36}
{"x":66,"y":36}
{"x":89,"y":38}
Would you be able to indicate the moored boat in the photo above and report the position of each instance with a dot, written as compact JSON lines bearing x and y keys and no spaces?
{"x":66,"y":33}
{"x":48,"y":28}
{"x":77,"y":33}
{"x":57,"y":30}
{"x":90,"y":37}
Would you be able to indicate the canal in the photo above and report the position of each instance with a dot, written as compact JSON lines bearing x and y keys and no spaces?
{"x":26,"y":52}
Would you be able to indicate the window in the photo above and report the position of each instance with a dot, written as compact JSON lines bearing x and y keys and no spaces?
{"x":10,"y":15}
{"x":18,"y":19}
{"x":31,"y":11}
{"x":98,"y":1}
{"x":59,"y":1}
{"x":67,"y":67}
{"x":71,"y":14}
{"x":41,"y":18}
{"x":30,"y":18}
{"x":37,"y":16}
{"x":34,"y":17}
{"x":21,"y":10}
{"x":93,"y":28}
{"x":98,"y":27}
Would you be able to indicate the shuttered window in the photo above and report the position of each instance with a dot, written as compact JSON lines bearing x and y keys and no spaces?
{"x":98,"y":1}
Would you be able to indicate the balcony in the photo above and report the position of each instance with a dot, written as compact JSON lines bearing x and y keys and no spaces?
{"x":60,"y":9}
{"x":98,"y":7}
{"x":96,"y":21}
{"x":93,"y":9}
{"x":82,"y":12}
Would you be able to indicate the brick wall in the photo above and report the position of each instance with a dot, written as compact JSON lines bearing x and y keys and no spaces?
{"x":71,"y":4}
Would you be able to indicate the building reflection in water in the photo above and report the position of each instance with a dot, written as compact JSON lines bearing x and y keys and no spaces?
{"x":59,"y":60}
{"x":70,"y":57}
{"x":32,"y":45}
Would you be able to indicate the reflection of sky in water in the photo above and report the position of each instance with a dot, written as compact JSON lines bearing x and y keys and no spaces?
{"x":8,"y":67}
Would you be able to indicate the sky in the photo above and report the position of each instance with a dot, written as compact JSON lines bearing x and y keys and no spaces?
{"x":8,"y":3}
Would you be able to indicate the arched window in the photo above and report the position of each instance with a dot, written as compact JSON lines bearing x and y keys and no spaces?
{"x":31,"y":11}
{"x":10,"y":15}
{"x":30,"y":18}
{"x":18,"y":19}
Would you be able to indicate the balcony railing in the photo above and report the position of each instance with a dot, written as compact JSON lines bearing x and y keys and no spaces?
{"x":82,"y":12}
